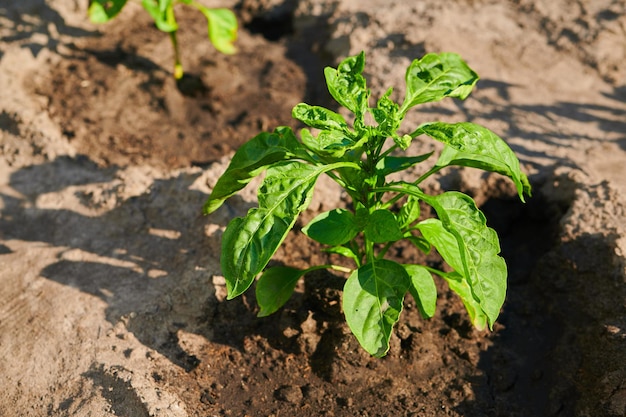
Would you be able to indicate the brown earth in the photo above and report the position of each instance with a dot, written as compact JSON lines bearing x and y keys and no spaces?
{"x":111,"y":298}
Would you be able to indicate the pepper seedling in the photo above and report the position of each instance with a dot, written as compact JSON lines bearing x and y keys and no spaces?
{"x":222,"y":23}
{"x":360,"y":156}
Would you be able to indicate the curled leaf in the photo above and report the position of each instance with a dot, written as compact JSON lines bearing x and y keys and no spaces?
{"x":461,"y":287}
{"x":436,"y":76}
{"x":162,"y":11}
{"x":332,"y":143}
{"x":472,"y":145}
{"x":319,"y":117}
{"x":347,"y":85}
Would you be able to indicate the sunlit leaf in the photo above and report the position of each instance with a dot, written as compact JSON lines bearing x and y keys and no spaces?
{"x":162,"y":11}
{"x":477,"y":246}
{"x":319,"y":117}
{"x":461,"y":287}
{"x":251,"y":159}
{"x":249,"y":243}
{"x":344,"y":251}
{"x":222,"y":28}
{"x":347,"y":85}
{"x":436,"y":76}
{"x":390,"y":164}
{"x":386,"y":115}
{"x":333,"y":143}
{"x":476,"y":146}
{"x":101,"y":11}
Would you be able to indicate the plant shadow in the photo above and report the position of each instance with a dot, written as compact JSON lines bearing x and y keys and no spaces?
{"x":148,"y":256}
{"x":37,"y":26}
{"x":551,"y":354}
{"x":152,"y":258}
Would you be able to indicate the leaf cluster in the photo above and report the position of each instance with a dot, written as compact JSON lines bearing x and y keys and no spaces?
{"x":222,"y":23}
{"x":360,"y":156}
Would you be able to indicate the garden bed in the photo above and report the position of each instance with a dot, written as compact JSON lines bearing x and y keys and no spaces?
{"x":112,"y":300}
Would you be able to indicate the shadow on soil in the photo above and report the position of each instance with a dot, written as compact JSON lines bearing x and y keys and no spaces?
{"x":609,"y":119}
{"x":118,"y":392}
{"x":142,"y":257}
{"x":554,"y":355}
{"x":36,"y":26}
{"x":151,"y":260}
{"x":148,"y":257}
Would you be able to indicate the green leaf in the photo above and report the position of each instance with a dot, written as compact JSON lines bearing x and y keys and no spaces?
{"x":447,"y":246}
{"x":249,"y":243}
{"x":222,"y":28}
{"x":436,"y":76}
{"x":445,"y":242}
{"x":422,"y":289}
{"x":382,"y":227}
{"x":386,"y":115}
{"x":334,"y":227}
{"x":372,"y":303}
{"x":403,"y":141}
{"x":275,"y":287}
{"x":251,"y":159}
{"x":390,"y":164}
{"x":101,"y":11}
{"x":420,"y":243}
{"x":328,"y":142}
{"x":347,"y":85}
{"x":459,"y":285}
{"x":409,"y":212}
{"x":162,"y":11}
{"x":344,"y":251}
{"x":475,"y":146}
{"x":478,"y":248}
{"x":319,"y":117}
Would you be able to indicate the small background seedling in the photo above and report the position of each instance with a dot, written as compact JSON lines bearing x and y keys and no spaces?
{"x":360,"y":157}
{"x":222,"y":23}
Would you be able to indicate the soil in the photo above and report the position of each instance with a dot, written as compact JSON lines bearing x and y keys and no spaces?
{"x":111,"y":298}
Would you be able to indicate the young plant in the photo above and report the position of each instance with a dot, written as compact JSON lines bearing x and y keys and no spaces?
{"x":222,"y":22}
{"x":359,"y":157}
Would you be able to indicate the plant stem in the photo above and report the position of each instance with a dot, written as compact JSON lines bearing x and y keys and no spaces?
{"x":392,"y":201}
{"x":428,"y":174}
{"x":357,"y":250}
{"x":388,"y":151}
{"x":178,"y":66}
{"x":384,"y":250}
{"x":436,"y":271}
{"x":369,"y":250}
{"x":327,"y":266}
